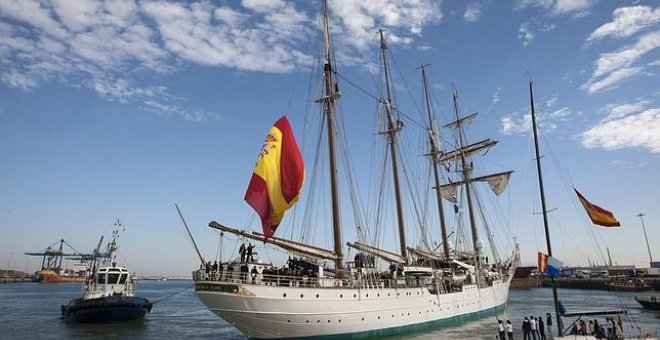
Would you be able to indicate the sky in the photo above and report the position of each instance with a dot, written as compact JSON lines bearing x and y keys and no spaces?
{"x":121,"y":108}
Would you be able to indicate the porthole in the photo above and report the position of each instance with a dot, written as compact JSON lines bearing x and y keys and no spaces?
{"x":378,"y":295}
{"x":339,"y":320}
{"x":288,"y":320}
{"x":328,"y":321}
{"x":341,"y":296}
{"x":354,"y":296}
{"x":367,"y":295}
{"x":362,"y":319}
{"x":301,"y":296}
{"x":307,"y":321}
{"x":379,"y":318}
{"x":317,"y":296}
{"x":284,"y":295}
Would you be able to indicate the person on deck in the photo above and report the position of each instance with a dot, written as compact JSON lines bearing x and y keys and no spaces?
{"x":533,"y":328}
{"x":249,"y":256}
{"x":548,"y":322}
{"x":241,"y":251}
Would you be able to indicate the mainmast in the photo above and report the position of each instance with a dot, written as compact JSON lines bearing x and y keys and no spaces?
{"x":393,"y":126}
{"x":435,"y":151}
{"x":543,"y":207}
{"x":466,"y":168}
{"x":331,"y":95}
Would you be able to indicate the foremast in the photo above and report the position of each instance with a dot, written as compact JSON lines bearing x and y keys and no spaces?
{"x":393,"y":126}
{"x":543,"y":206}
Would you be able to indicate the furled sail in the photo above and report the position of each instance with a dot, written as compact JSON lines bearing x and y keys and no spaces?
{"x":468,"y":149}
{"x":422,"y":253}
{"x":465,"y":120}
{"x":497,"y":183}
{"x":383,"y":254}
{"x":297,"y":247}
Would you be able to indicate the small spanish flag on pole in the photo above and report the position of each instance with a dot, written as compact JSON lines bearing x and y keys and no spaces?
{"x":597,"y":214}
{"x":277,"y":178}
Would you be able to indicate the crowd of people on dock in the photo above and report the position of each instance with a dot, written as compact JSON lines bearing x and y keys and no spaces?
{"x":533,"y":328}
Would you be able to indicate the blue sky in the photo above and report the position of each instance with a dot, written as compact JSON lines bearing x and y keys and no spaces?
{"x":119,"y":109}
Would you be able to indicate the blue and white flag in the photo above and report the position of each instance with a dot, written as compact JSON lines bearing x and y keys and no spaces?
{"x":554,"y":267}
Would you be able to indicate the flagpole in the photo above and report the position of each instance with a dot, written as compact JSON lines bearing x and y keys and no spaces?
{"x":543,"y":207}
{"x":641,"y":218}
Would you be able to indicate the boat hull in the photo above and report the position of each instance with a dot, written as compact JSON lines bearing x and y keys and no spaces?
{"x":106,"y":309}
{"x":50,"y":276}
{"x":650,"y":303}
{"x":268,"y":312}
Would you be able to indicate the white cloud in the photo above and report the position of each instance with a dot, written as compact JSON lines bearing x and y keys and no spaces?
{"x":473,"y":12}
{"x":613,"y":67}
{"x":525,"y":33}
{"x":106,"y":46}
{"x":496,"y":96}
{"x":620,"y":110}
{"x":641,"y":130}
{"x":610,"y":81}
{"x":516,"y":125}
{"x":528,"y":30}
{"x":559,"y":7}
{"x":624,"y":57}
{"x":403,"y":19}
{"x":627,"y":21}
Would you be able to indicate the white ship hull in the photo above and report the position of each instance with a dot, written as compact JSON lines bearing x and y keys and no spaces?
{"x":265,"y":311}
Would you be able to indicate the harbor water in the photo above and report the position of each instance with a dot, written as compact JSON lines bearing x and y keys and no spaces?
{"x":32,"y":311}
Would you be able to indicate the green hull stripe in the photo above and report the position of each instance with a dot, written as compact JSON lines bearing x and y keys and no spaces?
{"x":418,"y":327}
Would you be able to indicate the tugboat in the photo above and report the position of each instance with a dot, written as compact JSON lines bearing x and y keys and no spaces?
{"x":108,"y":292}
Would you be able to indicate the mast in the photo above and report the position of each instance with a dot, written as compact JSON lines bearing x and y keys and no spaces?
{"x":641,"y":218}
{"x":329,"y":100}
{"x":466,"y":180}
{"x":435,"y":151}
{"x":392,"y":128}
{"x":543,"y":207}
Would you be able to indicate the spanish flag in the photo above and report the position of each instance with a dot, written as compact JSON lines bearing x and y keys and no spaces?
{"x":277,"y":178}
{"x":597,"y":214}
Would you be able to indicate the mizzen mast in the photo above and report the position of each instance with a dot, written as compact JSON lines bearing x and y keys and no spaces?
{"x":393,"y":126}
{"x":465,"y":170}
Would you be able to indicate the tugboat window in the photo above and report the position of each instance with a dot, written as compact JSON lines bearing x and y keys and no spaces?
{"x":100,"y":278}
{"x":122,"y":279}
{"x":113,"y":278}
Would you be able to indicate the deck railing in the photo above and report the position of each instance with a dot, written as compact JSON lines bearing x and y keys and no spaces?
{"x":358,"y":281}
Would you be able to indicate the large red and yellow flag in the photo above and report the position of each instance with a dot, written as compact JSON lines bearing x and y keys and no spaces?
{"x":597,"y":214}
{"x":277,"y":178}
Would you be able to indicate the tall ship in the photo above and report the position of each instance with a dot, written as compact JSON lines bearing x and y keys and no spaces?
{"x":325,"y":293}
